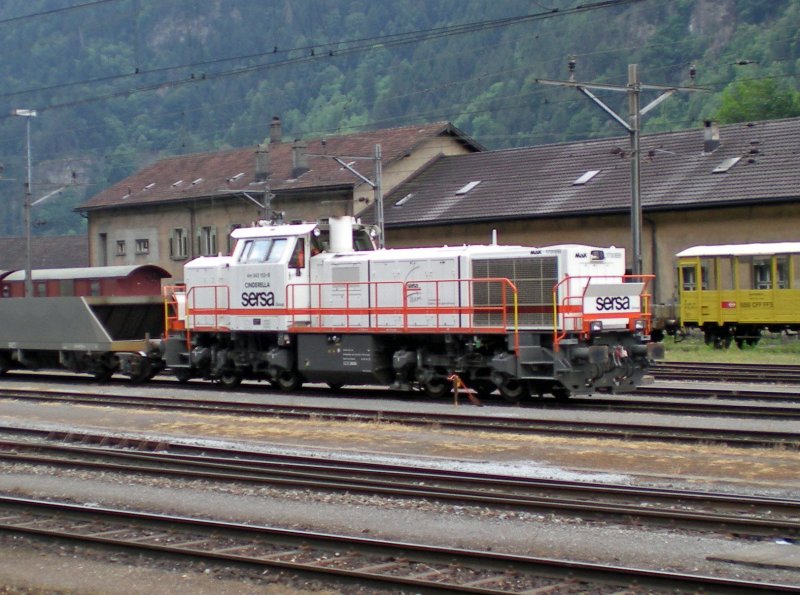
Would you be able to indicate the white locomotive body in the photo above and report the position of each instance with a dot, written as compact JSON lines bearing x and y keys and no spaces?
{"x":316,"y":303}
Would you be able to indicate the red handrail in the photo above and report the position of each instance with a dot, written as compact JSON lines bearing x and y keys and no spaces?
{"x":572,"y":307}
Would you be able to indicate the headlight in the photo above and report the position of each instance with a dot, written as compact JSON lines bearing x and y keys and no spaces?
{"x":639,"y":325}
{"x":595,"y":326}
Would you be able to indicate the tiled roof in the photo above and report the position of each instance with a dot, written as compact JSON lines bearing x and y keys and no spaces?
{"x":208,"y":175}
{"x":47,"y":252}
{"x":540,"y":181}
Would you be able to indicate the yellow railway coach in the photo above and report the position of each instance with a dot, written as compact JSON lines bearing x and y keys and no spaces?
{"x":734,"y":292}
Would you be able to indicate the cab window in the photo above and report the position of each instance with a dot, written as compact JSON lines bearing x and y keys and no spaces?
{"x":262,"y":250}
{"x":298,"y":259}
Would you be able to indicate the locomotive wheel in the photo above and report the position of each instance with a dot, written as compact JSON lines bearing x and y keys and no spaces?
{"x":513,"y":389}
{"x":436,"y":388}
{"x":483,"y":388}
{"x":230,"y":380}
{"x":183,"y":375}
{"x":287,"y":381}
{"x":560,"y":393}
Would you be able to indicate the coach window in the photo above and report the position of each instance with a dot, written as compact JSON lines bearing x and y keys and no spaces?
{"x":795,"y":268}
{"x":782,"y":272}
{"x":744,"y":267}
{"x":725,"y":273}
{"x":688,"y":278}
{"x":762,"y":273}
{"x":41,"y":289}
{"x":708,"y":273}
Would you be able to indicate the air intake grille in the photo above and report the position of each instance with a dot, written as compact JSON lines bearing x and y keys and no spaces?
{"x":534,"y":278}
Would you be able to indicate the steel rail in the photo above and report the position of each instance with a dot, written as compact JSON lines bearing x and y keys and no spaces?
{"x":774,"y":373}
{"x":479,"y":420}
{"x":695,"y":510}
{"x":363,"y":560}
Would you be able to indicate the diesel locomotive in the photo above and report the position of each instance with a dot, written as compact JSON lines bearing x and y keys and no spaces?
{"x":317,"y":303}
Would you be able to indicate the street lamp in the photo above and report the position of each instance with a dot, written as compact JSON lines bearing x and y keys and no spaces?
{"x":27,"y":114}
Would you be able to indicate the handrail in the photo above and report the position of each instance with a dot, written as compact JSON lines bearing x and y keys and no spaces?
{"x":445,"y":305}
{"x":171,"y":321}
{"x":362,"y":315}
{"x":191,"y":296}
{"x":572,"y":307}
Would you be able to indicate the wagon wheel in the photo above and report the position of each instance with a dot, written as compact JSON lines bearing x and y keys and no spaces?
{"x":103,"y":373}
{"x":513,"y":389}
{"x":144,"y":373}
{"x":287,"y":381}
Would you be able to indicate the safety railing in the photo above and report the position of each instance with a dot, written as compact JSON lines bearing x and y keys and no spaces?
{"x":571,"y":314}
{"x":213,"y":308}
{"x":426,"y":306}
{"x":174,"y":317}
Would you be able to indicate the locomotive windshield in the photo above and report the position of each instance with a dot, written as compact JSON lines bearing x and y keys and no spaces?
{"x":262,"y":250}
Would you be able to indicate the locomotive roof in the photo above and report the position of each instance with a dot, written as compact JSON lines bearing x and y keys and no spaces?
{"x":741,"y":249}
{"x":85,"y":273}
{"x":465,"y":249}
{"x":273,"y":230}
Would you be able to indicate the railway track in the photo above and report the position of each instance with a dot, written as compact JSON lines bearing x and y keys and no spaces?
{"x":477,"y":419}
{"x":718,"y":372}
{"x":706,"y":511}
{"x":363,"y":561}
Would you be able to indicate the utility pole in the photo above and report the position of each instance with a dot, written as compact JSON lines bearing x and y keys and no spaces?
{"x":633,"y":126}
{"x":27,"y":114}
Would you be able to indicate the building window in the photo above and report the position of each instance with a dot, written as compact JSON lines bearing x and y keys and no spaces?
{"x":231,"y":241}
{"x":207,"y":241}
{"x":120,"y":247}
{"x":143,"y":246}
{"x":179,"y":244}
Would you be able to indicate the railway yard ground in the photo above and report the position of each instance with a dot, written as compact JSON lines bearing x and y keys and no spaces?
{"x":31,"y":564}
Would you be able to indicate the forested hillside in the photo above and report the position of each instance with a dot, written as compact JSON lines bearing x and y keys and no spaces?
{"x":118,"y":83}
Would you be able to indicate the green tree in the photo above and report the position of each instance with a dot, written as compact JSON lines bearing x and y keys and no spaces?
{"x":764,"y":99}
